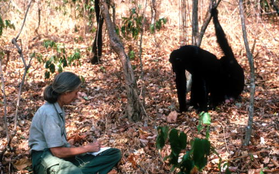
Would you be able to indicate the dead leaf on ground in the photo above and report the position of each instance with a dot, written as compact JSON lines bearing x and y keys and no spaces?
{"x":172,"y":117}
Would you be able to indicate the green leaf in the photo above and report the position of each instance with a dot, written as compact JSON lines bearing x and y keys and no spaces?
{"x":206,"y":119}
{"x":162,"y":136}
{"x":174,"y":142}
{"x":39,"y":57}
{"x":77,"y":55}
{"x":33,"y":55}
{"x":177,"y":141}
{"x":201,"y":151}
{"x":60,"y":69}
{"x":152,"y":28}
{"x":182,"y":140}
{"x":158,"y":25}
{"x":47,"y":74}
{"x":47,"y":65}
{"x":199,"y":127}
{"x":52,"y":68}
{"x":123,"y":30}
{"x":1,"y":26}
{"x":82,"y":79}
{"x":133,"y":10}
{"x":132,"y":55}
{"x":64,"y":61}
{"x":229,"y":172}
{"x":187,"y":164}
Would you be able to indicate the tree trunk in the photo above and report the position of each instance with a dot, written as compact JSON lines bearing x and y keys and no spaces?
{"x":134,"y":107}
{"x":252,"y":76}
{"x":195,"y":22}
{"x":183,"y":12}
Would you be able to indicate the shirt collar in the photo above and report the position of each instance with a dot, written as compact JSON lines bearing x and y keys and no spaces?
{"x":59,"y":110}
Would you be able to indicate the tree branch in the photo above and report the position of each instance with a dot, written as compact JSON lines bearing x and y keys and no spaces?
{"x":252,"y":76}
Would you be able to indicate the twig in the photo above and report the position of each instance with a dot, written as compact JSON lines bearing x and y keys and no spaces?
{"x":14,"y":41}
{"x":28,"y":7}
{"x":5,"y":107}
{"x":252,"y":77}
{"x":207,"y":20}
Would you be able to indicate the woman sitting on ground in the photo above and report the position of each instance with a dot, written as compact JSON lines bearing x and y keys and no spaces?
{"x":50,"y":151}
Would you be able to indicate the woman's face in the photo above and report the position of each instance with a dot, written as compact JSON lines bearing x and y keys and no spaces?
{"x":68,"y":97}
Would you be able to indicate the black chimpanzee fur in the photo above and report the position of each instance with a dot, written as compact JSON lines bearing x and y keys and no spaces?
{"x":213,"y":80}
{"x":234,"y":75}
{"x":207,"y":77}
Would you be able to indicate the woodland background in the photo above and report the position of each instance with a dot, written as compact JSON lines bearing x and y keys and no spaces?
{"x":100,"y":109}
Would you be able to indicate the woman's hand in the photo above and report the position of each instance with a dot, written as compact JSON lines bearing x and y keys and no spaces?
{"x":93,"y":147}
{"x":65,"y":152}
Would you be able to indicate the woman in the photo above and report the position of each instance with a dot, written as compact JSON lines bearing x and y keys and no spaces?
{"x":50,"y":151}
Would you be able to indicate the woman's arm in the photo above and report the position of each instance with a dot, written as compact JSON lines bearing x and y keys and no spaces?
{"x":65,"y":152}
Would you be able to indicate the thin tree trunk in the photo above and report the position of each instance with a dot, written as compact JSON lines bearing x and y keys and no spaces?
{"x":183,"y":12}
{"x":134,"y":108}
{"x":195,"y":23}
{"x":252,"y":77}
{"x":26,"y":68}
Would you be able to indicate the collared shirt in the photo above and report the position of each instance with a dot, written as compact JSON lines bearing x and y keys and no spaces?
{"x":48,"y":128}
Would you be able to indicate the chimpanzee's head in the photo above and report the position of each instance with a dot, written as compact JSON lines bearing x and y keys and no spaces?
{"x":176,"y":60}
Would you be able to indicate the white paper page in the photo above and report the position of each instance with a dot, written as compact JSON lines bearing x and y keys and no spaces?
{"x":100,"y":151}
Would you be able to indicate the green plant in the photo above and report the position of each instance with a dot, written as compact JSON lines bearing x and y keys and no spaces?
{"x":158,"y":24}
{"x":132,"y":24}
{"x":59,"y":59}
{"x":5,"y":24}
{"x":196,"y":157}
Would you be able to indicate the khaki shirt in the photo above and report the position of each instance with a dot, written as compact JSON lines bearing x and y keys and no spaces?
{"x":48,"y":128}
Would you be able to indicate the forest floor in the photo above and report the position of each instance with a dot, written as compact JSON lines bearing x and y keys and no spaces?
{"x":99,"y":111}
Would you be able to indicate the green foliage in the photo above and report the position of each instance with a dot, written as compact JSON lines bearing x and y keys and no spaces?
{"x":194,"y":157}
{"x":265,"y":5}
{"x":201,"y":151}
{"x":132,"y":54}
{"x":158,"y":24}
{"x":205,"y":119}
{"x":5,"y":24}
{"x":59,"y":60}
{"x":132,"y":24}
{"x":163,"y":136}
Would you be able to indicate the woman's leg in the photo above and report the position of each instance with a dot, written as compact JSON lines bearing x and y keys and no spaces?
{"x":102,"y":163}
{"x":45,"y":163}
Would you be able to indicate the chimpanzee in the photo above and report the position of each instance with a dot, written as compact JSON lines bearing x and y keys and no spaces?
{"x":207,"y":77}
{"x":234,"y":75}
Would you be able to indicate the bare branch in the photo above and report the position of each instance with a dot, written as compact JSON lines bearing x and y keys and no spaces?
{"x":5,"y":106}
{"x":26,"y":67}
{"x":28,"y":7}
{"x":207,"y":20}
{"x":252,"y":76}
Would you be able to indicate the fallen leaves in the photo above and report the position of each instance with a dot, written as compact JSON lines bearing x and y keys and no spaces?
{"x":100,"y":110}
{"x":22,"y":163}
{"x":172,"y":117}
